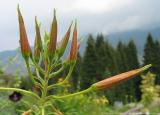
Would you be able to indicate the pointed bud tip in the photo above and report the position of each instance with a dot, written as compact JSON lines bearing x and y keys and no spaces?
{"x":54,"y":13}
{"x":36,"y":19}
{"x":36,"y":22}
{"x":76,"y":23}
{"x":71,"y":25}
{"x":18,"y":9}
{"x":145,"y":67}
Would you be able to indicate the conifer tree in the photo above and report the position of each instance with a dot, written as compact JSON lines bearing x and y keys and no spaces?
{"x":110,"y":59}
{"x":156,"y":62}
{"x":122,"y":63}
{"x":122,"y":58}
{"x":133,"y":63}
{"x":107,"y":65}
{"x":132,"y":57}
{"x":149,"y":51}
{"x":101,"y":54}
{"x":152,"y":55}
{"x":89,"y":65}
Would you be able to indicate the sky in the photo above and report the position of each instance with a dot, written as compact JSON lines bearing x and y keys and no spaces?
{"x":93,"y":16}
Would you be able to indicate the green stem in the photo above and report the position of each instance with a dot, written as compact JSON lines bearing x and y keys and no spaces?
{"x":38,"y":67}
{"x":65,"y":80}
{"x":144,"y":68}
{"x":20,"y":90}
{"x":45,"y":84}
{"x":74,"y":94}
{"x":45,"y":88}
{"x":57,"y":72}
{"x":70,"y":71}
{"x":43,"y":111}
{"x":39,"y":77}
{"x":54,"y":66}
{"x":29,"y":72}
{"x":54,"y":63}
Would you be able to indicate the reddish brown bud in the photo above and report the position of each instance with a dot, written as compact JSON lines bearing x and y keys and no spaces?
{"x":53,"y":37}
{"x":74,"y":48}
{"x":38,"y":34}
{"x":36,"y":51}
{"x":107,"y":83}
{"x":64,"y":42}
{"x":24,"y":44}
{"x":37,"y":43}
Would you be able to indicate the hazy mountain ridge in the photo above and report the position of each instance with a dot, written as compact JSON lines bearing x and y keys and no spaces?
{"x":138,"y":36}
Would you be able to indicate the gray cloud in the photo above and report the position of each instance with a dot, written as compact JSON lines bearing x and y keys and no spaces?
{"x":107,"y":16}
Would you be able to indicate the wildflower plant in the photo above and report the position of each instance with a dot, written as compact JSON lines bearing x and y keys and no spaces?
{"x":50,"y":55}
{"x":149,"y":89}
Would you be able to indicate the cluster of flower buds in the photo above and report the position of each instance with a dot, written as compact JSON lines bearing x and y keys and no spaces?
{"x":48,"y":52}
{"x":52,"y":50}
{"x":25,"y":48}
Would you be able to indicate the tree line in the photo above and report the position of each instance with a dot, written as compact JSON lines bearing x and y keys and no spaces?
{"x":102,"y":60}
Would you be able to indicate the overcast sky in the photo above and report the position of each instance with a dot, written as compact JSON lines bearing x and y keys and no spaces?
{"x":94,"y":16}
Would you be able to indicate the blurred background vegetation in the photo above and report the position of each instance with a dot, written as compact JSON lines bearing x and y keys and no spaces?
{"x":100,"y":60}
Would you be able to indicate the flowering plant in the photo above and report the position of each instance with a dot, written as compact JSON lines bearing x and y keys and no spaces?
{"x":50,"y":55}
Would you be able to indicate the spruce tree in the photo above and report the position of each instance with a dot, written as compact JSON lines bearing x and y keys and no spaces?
{"x":89,"y":65}
{"x":110,"y":59}
{"x":152,"y":56}
{"x":107,"y":62}
{"x":149,"y":51}
{"x":133,"y":63}
{"x":121,"y":57}
{"x":132,"y":57}
{"x":156,"y":62}
{"x":101,"y":54}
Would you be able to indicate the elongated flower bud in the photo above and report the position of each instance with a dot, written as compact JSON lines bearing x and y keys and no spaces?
{"x":64,"y":42}
{"x":107,"y":83}
{"x":36,"y":50}
{"x":38,"y":35}
{"x":37,"y":43}
{"x":24,"y":44}
{"x":53,"y":37}
{"x":73,"y":52}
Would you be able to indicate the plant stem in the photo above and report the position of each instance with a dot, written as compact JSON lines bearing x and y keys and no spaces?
{"x":45,"y":87}
{"x":57,"y":72}
{"x":43,"y":111}
{"x":20,"y":90}
{"x":66,"y":79}
{"x":38,"y":67}
{"x":74,"y":94}
{"x":29,"y":72}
